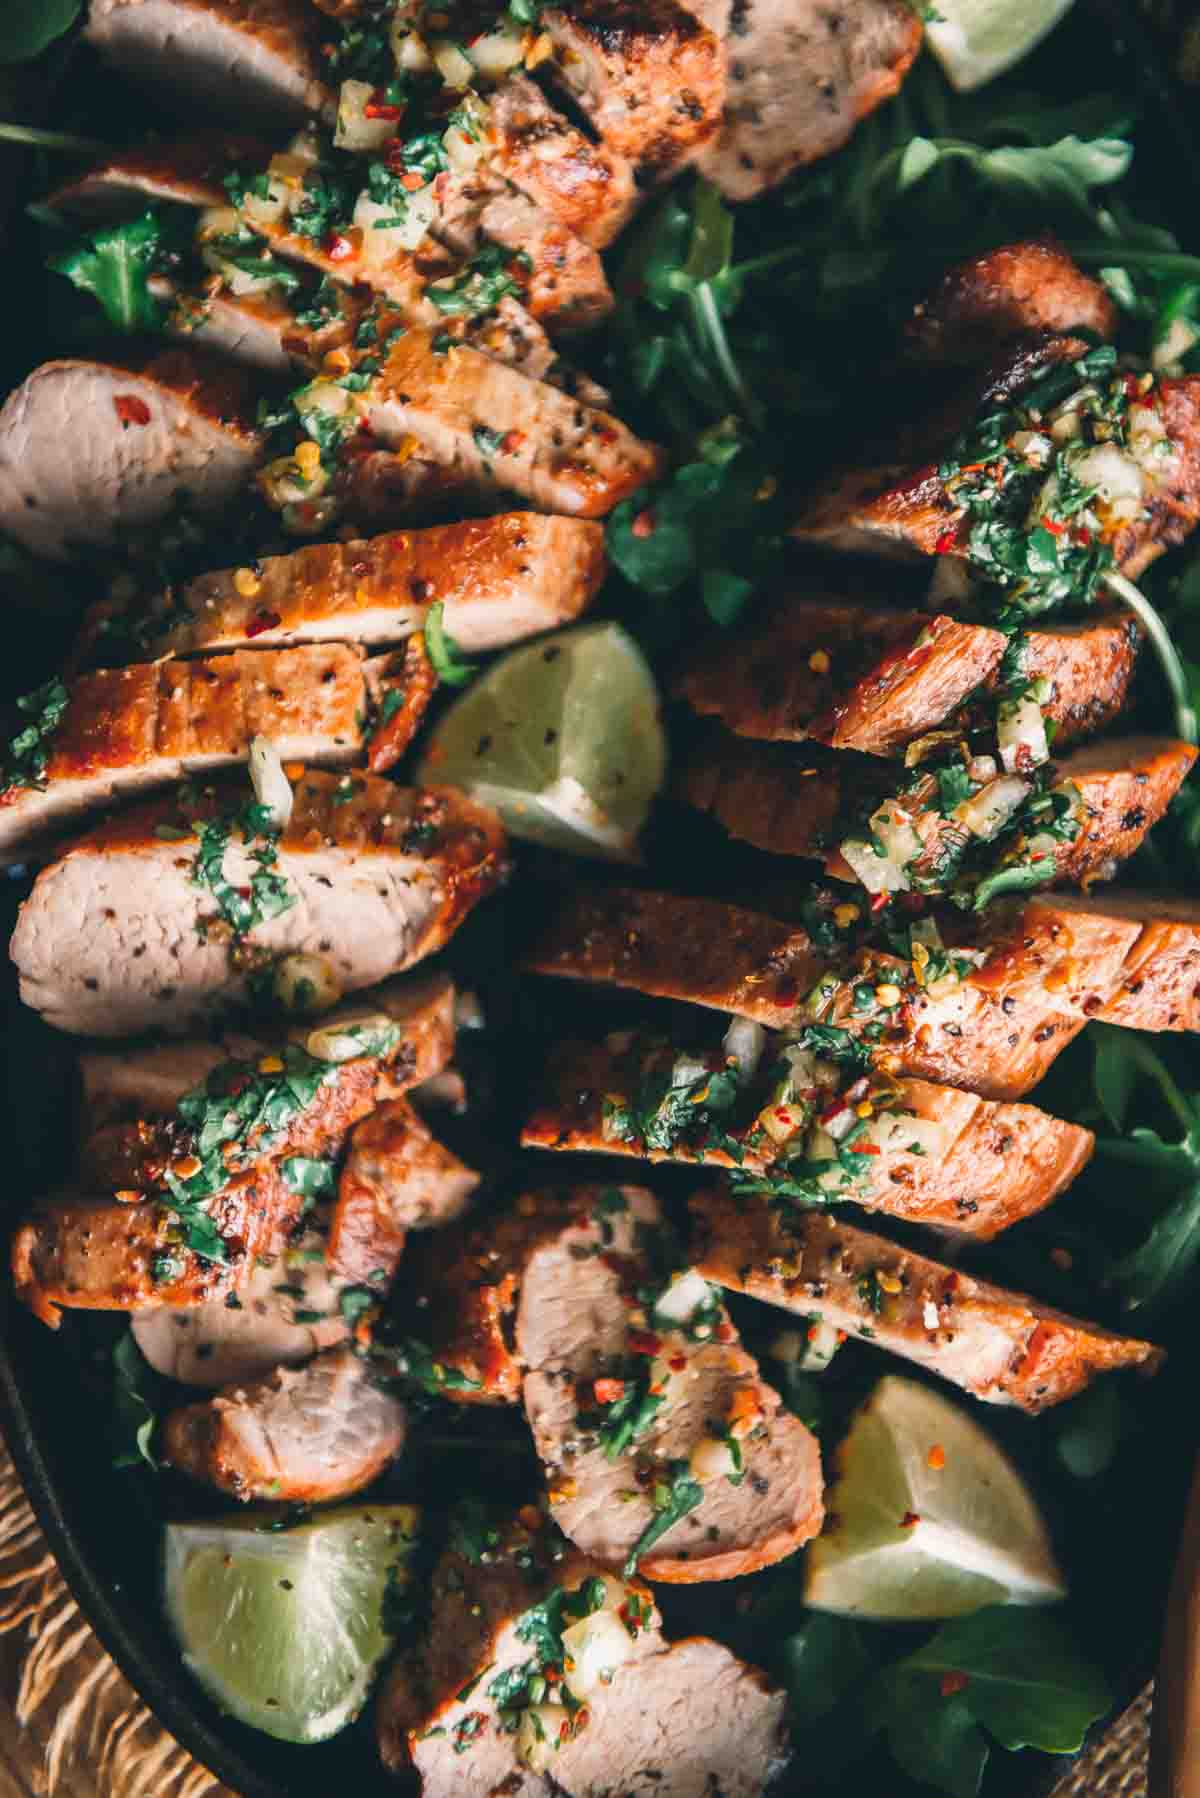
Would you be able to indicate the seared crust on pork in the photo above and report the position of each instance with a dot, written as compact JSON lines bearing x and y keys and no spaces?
{"x":1023,"y":287}
{"x":990,"y":1164}
{"x":397,"y":1177}
{"x":127,"y":730}
{"x":586,"y":186}
{"x":1001,"y":1346}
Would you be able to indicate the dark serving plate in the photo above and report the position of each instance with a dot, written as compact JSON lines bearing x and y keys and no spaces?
{"x":1116,"y":1534}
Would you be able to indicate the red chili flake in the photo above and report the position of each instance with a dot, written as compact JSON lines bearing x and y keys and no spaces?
{"x":952,"y":1683}
{"x":608,"y":1391}
{"x":947,"y":541}
{"x":644,"y":525}
{"x":1082,"y":536}
{"x":879,"y":901}
{"x":377,"y":107}
{"x":783,"y":1114}
{"x":130,"y":409}
{"x":511,"y":442}
{"x":1133,"y":386}
{"x":787,"y":993}
{"x":724,"y":1332}
{"x":864,"y":1148}
{"x":410,"y":181}
{"x":643,"y":1342}
{"x":1033,"y":1349}
{"x":1055,"y":526}
{"x":295,"y":346}
{"x":909,"y":1519}
{"x":262,"y":621}
{"x":677,"y":1363}
{"x":338,"y":247}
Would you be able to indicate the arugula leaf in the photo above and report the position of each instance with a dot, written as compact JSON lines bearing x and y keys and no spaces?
{"x":443,"y":651}
{"x":1027,"y":1683}
{"x":673,"y":1497}
{"x":135,"y":1396}
{"x":27,"y":27}
{"x":115,"y":264}
{"x":934,"y":1738}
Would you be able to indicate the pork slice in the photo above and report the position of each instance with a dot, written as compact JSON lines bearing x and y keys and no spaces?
{"x":1159,"y":983}
{"x":121,"y":1253}
{"x":561,"y":277}
{"x":92,"y":451}
{"x":699,"y":950}
{"x":287,"y":1311}
{"x":849,"y":675}
{"x":384,"y":488}
{"x":186,"y":171}
{"x":240,"y":58}
{"x":943,"y":1171}
{"x":1001,"y":1346}
{"x":1089,"y":664}
{"x":259,"y":330}
{"x":490,"y":423}
{"x":446,"y":1714}
{"x":397,"y":1177}
{"x":126,"y":731}
{"x":584,"y":185}
{"x":578,"y":1321}
{"x":497,"y":579}
{"x":762,"y":793}
{"x":904,"y":510}
{"x":377,"y":877}
{"x":650,"y":78}
{"x":1031,"y":285}
{"x":687,"y":1723}
{"x":300,"y":1435}
{"x":800,"y":77}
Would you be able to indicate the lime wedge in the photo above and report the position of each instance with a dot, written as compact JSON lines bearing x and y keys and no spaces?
{"x":563,"y":738}
{"x":928,"y":1518}
{"x":976,"y":40}
{"x":285,"y":1628}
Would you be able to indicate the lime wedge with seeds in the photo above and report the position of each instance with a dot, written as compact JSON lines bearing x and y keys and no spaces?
{"x":284,"y":1628}
{"x":927,"y":1517}
{"x":976,"y":40}
{"x":563,"y":738}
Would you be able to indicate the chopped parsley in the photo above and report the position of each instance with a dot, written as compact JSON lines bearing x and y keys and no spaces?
{"x":481,"y":284}
{"x":673,"y":1495}
{"x":267,"y":895}
{"x":28,"y":752}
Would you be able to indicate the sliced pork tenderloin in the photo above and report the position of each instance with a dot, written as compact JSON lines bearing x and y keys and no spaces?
{"x":119,"y":733}
{"x":397,"y":1177}
{"x":288,"y":1310}
{"x":299,"y":1435}
{"x":1001,"y":1346}
{"x":904,"y":509}
{"x":240,"y":58}
{"x":1004,"y":997}
{"x":650,"y":78}
{"x":927,"y":1153}
{"x":1006,"y":293}
{"x":713,"y":1480}
{"x":873,"y":679}
{"x":497,"y":579}
{"x":800,"y":77}
{"x":586,"y":186}
{"x":365,"y":880}
{"x":94,"y":451}
{"x":185,"y":171}
{"x":241,"y":1198}
{"x":805,"y":803}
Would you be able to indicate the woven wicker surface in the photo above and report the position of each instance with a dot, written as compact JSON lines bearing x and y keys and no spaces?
{"x":72,"y":1727}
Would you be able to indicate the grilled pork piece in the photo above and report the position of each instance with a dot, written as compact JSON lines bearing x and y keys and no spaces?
{"x":666,"y":1719}
{"x":874,"y":679}
{"x":241,"y":58}
{"x":596,"y":1363}
{"x":928,"y":1154}
{"x":241,"y":1198}
{"x":94,"y":451}
{"x":1159,"y":985}
{"x":1023,"y":287}
{"x":650,"y":77}
{"x":541,"y":1302}
{"x":1001,"y":1346}
{"x":491,"y":424}
{"x":1147,"y":502}
{"x":397,"y":1177}
{"x":121,"y":732}
{"x":800,"y":77}
{"x":186,"y":171}
{"x":288,"y":1310}
{"x":1116,"y":791}
{"x":498,"y":579}
{"x":367,"y":879}
{"x":303,"y":1435}
{"x":584,"y":185}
